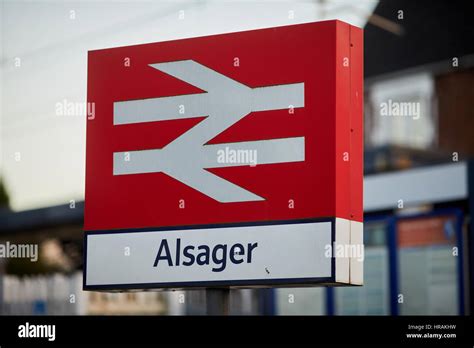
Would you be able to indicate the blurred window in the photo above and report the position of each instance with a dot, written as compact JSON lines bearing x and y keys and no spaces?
{"x":301,"y":301}
{"x":401,"y":112}
{"x":428,"y":274}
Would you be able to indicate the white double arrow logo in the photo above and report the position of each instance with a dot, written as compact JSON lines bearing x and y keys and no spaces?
{"x":225,"y":103}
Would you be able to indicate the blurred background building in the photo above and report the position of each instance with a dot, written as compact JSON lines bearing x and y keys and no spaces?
{"x":419,"y":179}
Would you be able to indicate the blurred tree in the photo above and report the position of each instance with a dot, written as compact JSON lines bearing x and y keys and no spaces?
{"x":4,"y":199}
{"x":23,"y":266}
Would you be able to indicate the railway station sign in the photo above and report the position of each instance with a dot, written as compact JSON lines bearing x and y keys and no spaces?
{"x":226,"y":160}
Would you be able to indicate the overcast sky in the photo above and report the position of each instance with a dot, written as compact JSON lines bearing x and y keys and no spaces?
{"x":44,"y":48}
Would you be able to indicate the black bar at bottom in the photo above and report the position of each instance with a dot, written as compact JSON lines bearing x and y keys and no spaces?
{"x":416,"y":330}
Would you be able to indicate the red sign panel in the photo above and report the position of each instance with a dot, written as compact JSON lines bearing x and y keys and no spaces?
{"x":253,"y":126}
